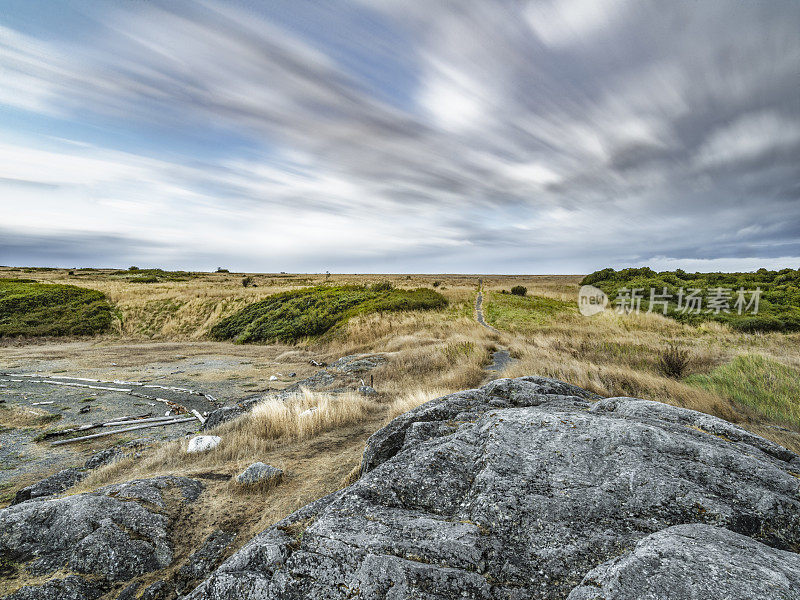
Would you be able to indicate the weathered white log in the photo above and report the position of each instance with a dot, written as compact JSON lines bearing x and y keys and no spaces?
{"x":130,"y":419}
{"x":105,"y":433}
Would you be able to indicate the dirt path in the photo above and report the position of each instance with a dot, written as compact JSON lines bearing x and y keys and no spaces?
{"x":501,"y":358}
{"x":479,"y":312}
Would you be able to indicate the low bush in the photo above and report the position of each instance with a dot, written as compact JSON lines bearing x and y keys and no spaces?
{"x":297,"y":314}
{"x":778,"y":306}
{"x":674,"y":361}
{"x":137,"y":275}
{"x":28,"y":308}
{"x":519,"y":290}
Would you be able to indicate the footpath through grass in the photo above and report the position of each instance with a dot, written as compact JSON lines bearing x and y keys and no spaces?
{"x":28,"y":308}
{"x":308,"y":312}
{"x":769,"y":387}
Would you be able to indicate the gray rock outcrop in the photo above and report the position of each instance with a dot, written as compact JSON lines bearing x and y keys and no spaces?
{"x":50,"y":486}
{"x":524,"y":489}
{"x":358,"y":363}
{"x":113,"y":534}
{"x":204,"y":559}
{"x":71,"y":587}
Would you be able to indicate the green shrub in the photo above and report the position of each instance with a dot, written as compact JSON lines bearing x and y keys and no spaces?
{"x":519,"y":290}
{"x":36,"y":309}
{"x":383,"y":286}
{"x":247,"y":281}
{"x":779,"y":306}
{"x":297,"y":314}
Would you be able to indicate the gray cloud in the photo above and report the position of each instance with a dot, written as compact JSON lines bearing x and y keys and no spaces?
{"x":529,"y":136}
{"x":45,"y":248}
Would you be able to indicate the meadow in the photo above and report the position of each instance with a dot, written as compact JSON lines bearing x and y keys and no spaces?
{"x":426,"y":326}
{"x":751,"y":379}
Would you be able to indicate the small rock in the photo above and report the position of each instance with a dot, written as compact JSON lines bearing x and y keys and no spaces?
{"x":292,"y":374}
{"x":259,"y":473}
{"x":85,"y":409}
{"x":49,"y":486}
{"x":114,"y":453}
{"x":308,"y":412}
{"x":273,"y":378}
{"x":367,"y":390}
{"x":202,"y":443}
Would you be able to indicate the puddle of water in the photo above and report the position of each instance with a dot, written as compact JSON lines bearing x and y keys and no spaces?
{"x":500,"y":360}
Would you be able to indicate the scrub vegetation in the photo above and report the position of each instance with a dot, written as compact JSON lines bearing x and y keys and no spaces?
{"x":304,"y":313}
{"x":778,"y":307}
{"x":29,"y":308}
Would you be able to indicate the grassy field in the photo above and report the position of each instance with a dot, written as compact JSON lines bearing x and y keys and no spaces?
{"x":446,"y":349}
{"x":748,"y":378}
{"x":768,"y":386}
{"x":187,"y":308}
{"x":621,"y":355}
{"x":28,"y":308}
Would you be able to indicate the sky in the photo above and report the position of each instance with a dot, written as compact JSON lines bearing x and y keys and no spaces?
{"x":409,"y":136}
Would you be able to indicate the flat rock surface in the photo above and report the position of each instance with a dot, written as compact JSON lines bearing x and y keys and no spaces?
{"x":694,"y":561}
{"x":524,"y":489}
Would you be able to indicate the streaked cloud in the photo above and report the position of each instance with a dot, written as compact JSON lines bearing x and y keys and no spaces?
{"x":511,"y":137}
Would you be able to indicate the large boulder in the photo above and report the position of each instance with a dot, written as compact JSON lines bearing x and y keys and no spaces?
{"x":525,"y":489}
{"x":113,"y":534}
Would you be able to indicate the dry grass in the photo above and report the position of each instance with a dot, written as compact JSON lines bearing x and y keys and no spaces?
{"x":619,"y":355}
{"x":301,"y":417}
{"x":17,"y":417}
{"x":412,"y":399}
